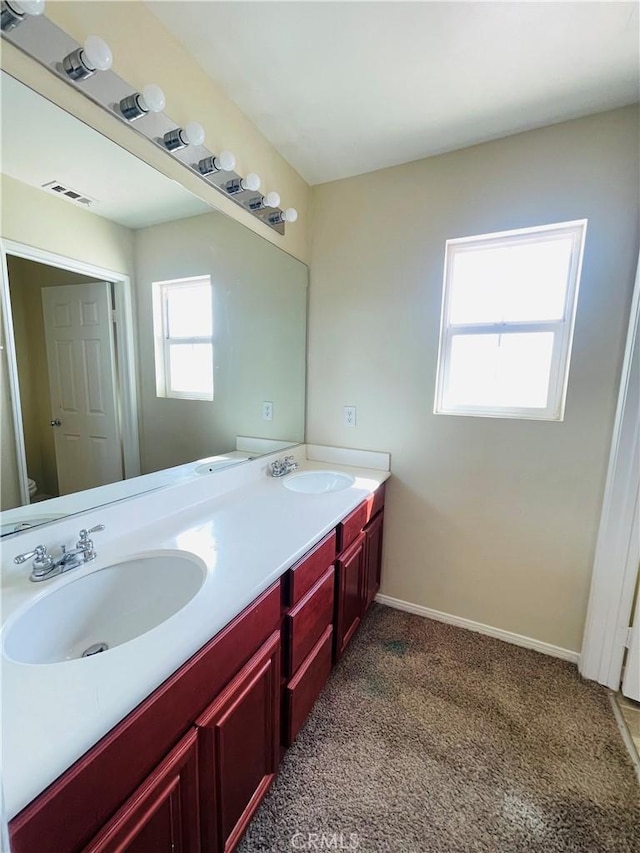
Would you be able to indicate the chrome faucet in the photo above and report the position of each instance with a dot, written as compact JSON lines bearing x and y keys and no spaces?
{"x":45,"y":566}
{"x":280,"y":467}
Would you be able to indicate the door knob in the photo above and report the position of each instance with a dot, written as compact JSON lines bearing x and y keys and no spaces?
{"x":56,"y":422}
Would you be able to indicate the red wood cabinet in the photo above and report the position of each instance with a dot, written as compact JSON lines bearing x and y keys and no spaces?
{"x":358,"y":567}
{"x":373,"y":561}
{"x":239,"y":749}
{"x":162,"y":816}
{"x":350,"y":570}
{"x":185,"y":771}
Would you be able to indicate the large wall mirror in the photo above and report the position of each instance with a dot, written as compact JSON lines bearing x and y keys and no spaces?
{"x":145,"y":336}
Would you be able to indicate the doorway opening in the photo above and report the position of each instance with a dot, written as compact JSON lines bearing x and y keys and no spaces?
{"x":68,"y":330}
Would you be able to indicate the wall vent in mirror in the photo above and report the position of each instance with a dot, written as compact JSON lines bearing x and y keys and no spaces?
{"x":66,"y":192}
{"x":88,"y":69}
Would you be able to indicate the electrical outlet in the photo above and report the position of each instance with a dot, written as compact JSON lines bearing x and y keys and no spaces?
{"x":350,"y":416}
{"x":267,"y":411}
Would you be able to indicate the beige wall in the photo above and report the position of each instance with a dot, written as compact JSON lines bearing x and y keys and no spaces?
{"x":32,"y":217}
{"x":144,"y":51}
{"x":490,"y":519}
{"x":259,"y":309}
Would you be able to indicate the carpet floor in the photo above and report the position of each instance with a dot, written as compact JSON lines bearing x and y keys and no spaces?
{"x":432,"y":739}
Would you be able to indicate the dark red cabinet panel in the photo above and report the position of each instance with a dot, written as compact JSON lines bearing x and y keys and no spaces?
{"x":350,"y":571}
{"x":373,"y":560}
{"x":162,"y":816}
{"x":239,"y":749}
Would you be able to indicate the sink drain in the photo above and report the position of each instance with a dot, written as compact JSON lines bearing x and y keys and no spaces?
{"x":95,"y":649}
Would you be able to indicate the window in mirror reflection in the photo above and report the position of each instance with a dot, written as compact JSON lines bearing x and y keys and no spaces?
{"x":183,"y":321}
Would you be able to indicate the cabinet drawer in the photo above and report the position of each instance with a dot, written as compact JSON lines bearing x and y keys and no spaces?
{"x":310,"y":568}
{"x":376,"y":501}
{"x":303,"y":690}
{"x":308,"y":619}
{"x":350,"y":527}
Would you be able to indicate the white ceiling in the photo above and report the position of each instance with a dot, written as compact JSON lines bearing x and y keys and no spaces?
{"x":342,"y":88}
{"x":41,"y":143}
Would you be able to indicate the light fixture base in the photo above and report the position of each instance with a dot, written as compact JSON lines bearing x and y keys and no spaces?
{"x":131,"y":107}
{"x":174,"y":140}
{"x":75,"y":67}
{"x":10,"y":17}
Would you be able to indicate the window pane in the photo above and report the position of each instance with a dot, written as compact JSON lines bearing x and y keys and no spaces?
{"x":189,"y":313}
{"x":191,"y":369}
{"x":510,"y":370}
{"x":520,"y":282}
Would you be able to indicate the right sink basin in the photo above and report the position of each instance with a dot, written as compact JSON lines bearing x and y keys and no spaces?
{"x":318,"y":482}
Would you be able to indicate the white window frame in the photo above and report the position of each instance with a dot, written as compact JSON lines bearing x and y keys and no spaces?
{"x":561,"y":329}
{"x":163,"y":341}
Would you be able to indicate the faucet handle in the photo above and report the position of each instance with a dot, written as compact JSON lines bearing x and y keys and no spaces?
{"x":84,"y":533}
{"x":85,"y":544}
{"x":43,"y":560}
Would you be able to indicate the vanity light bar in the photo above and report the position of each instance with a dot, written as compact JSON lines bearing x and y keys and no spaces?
{"x":38,"y":37}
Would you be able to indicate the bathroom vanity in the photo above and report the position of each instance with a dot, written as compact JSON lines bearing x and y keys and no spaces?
{"x":187,"y":767}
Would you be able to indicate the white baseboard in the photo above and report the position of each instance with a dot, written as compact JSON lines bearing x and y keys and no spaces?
{"x":479,"y":628}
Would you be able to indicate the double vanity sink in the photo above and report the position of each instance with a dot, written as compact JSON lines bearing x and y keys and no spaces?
{"x":173,"y":568}
{"x":107,"y":607}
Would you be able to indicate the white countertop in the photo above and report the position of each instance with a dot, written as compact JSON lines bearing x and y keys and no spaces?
{"x":248,"y":532}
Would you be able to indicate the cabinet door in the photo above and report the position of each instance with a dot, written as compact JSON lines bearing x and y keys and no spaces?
{"x":350,"y":568}
{"x":373,"y":559}
{"x":162,"y":815}
{"x":239,"y":748}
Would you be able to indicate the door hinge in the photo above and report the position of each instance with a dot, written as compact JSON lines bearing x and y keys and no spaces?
{"x":627,"y":638}
{"x":114,"y":315}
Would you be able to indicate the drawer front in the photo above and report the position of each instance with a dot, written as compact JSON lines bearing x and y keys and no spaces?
{"x":303,"y":690}
{"x":310,"y":568}
{"x":307,"y":621}
{"x":350,"y":527}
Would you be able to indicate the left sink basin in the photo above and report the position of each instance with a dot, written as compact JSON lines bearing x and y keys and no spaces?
{"x":105,"y":608}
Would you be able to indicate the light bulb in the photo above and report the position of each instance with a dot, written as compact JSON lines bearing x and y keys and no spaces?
{"x":251,"y":182}
{"x":153,"y":98}
{"x":225,"y":161}
{"x":194,"y":133}
{"x":29,"y":7}
{"x":271,"y":200}
{"x":97,"y":54}
{"x":290,"y":215}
